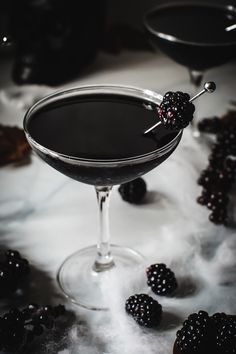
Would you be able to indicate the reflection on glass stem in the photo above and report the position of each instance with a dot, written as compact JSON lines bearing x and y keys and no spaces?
{"x":196,"y":78}
{"x":104,"y":260}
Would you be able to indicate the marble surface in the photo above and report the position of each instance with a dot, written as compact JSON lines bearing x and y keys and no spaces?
{"x":47,"y":216}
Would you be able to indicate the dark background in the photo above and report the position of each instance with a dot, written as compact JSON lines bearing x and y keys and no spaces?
{"x":53,"y":41}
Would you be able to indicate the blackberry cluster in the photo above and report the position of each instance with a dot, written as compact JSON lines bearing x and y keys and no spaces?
{"x":144,"y":309}
{"x":226,"y":336}
{"x":18,"y":328}
{"x":14,"y":271}
{"x":203,"y":334}
{"x":161,"y":279}
{"x":175,"y":111}
{"x":194,"y":335}
{"x":134,"y":191}
{"x":210,"y":125}
{"x":219,"y":176}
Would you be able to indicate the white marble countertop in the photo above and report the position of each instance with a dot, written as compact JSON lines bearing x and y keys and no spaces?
{"x":47,"y":216}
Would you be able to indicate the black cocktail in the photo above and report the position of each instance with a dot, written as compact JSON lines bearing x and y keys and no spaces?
{"x":95,"y":135}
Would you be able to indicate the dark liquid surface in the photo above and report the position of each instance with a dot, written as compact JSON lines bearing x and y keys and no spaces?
{"x":194,"y":23}
{"x":98,"y":127}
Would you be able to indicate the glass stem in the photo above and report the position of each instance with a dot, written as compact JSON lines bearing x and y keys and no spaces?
{"x":196,"y":78}
{"x":104,"y":260}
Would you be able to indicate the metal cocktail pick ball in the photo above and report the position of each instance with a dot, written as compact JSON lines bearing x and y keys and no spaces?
{"x":209,"y":87}
{"x":5,"y":40}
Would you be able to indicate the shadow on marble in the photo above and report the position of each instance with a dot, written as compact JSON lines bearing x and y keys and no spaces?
{"x":188,"y":287}
{"x":153,"y":197}
{"x":209,"y":248}
{"x":38,"y":288}
{"x":169,"y":321}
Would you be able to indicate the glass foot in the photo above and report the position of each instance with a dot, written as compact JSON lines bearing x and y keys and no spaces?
{"x":85,"y":287}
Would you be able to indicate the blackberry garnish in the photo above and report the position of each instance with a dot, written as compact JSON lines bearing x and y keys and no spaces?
{"x":161,"y":279}
{"x":19,"y":327}
{"x":133,"y":191}
{"x":226,"y":336}
{"x":175,"y":111}
{"x":144,"y":309}
{"x":14,"y":270}
{"x":196,"y":334}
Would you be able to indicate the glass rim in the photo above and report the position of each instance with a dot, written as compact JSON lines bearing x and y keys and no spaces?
{"x":147,"y":94}
{"x":174,"y":39}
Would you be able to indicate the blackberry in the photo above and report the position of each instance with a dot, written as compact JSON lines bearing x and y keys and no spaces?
{"x":29,"y":311}
{"x":210,"y":125}
{"x":219,"y":217}
{"x":175,"y":111}
{"x":218,"y":319}
{"x":217,"y":201}
{"x":206,"y":178}
{"x":58,"y":311}
{"x":13,"y":254}
{"x":218,"y":198}
{"x":224,"y":179}
{"x":202,"y":200}
{"x":144,"y":309}
{"x":230,"y":163}
{"x":226,"y":138}
{"x":226,"y":336}
{"x":14,"y":337}
{"x":161,"y":279}
{"x":19,"y":327}
{"x":14,"y":270}
{"x":134,"y":191}
{"x":215,"y":159}
{"x":196,"y":335}
{"x":218,"y":178}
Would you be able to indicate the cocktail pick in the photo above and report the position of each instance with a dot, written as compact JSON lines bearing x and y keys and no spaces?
{"x":208,"y":87}
{"x":5,"y":40}
{"x":230,"y":28}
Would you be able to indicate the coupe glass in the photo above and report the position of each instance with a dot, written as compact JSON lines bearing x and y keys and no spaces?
{"x":187,"y":49}
{"x":81,"y":274}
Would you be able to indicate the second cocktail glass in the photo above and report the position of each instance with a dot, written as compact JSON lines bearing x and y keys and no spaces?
{"x":94,"y":135}
{"x":198,"y":35}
